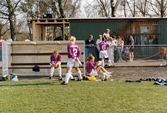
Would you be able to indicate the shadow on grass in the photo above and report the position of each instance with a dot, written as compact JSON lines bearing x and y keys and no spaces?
{"x":29,"y":84}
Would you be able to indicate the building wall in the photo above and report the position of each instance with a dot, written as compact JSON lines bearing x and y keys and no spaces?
{"x":83,"y":28}
{"x":162,"y":29}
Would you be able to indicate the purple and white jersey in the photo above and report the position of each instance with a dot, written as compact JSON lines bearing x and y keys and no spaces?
{"x":90,"y":66}
{"x":55,"y":59}
{"x":103,"y":46}
{"x":73,"y":51}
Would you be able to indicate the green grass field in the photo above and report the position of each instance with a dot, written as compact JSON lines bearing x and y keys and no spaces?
{"x":48,"y":96}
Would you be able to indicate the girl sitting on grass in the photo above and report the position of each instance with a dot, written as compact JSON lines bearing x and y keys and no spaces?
{"x":93,"y":69}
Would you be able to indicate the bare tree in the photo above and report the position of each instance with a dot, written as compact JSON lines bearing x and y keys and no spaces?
{"x":102,"y":8}
{"x":132,"y":8}
{"x":159,"y":7}
{"x":142,"y":6}
{"x":3,"y":28}
{"x":7,"y":11}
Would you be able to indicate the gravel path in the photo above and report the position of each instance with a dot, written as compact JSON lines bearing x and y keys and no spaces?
{"x":135,"y":73}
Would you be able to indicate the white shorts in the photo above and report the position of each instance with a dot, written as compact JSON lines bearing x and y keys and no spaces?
{"x":72,"y":63}
{"x":103,"y":54}
{"x":93,"y":73}
{"x":56,"y":63}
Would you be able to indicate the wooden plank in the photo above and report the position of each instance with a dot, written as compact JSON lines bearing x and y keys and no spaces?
{"x":62,"y":63}
{"x":25,"y":54}
{"x":29,"y":71}
{"x":41,"y":67}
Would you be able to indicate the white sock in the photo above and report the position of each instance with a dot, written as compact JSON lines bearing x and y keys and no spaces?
{"x":109,"y":61}
{"x":79,"y":75}
{"x":107,"y":76}
{"x":71,"y":76}
{"x":52,"y":71}
{"x":99,"y":63}
{"x":102,"y":74}
{"x":59,"y":71}
{"x":67,"y":77}
{"x":103,"y":62}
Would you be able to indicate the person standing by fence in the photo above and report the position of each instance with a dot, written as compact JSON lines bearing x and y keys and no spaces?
{"x":119,"y":49}
{"x":8,"y":39}
{"x":97,"y":42}
{"x":110,"y":51}
{"x":74,"y":54}
{"x":89,"y":44}
{"x":1,"y":40}
{"x":131,"y":48}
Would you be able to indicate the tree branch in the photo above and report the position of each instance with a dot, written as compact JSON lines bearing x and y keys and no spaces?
{"x":3,"y":17}
{"x":16,"y":4}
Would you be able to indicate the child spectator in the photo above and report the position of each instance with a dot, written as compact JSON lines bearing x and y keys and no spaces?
{"x":93,"y":69}
{"x":126,"y":53}
{"x":55,"y":62}
{"x":74,"y":54}
{"x":106,"y":35}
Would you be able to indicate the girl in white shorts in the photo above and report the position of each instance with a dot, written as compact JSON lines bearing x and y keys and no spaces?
{"x":93,"y":69}
{"x":74,"y":54}
{"x":103,"y":47}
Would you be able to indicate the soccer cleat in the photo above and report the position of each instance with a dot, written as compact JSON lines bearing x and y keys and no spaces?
{"x":60,"y":78}
{"x":105,"y":79}
{"x":79,"y":80}
{"x":50,"y":77}
{"x":63,"y":83}
{"x":85,"y":78}
{"x":72,"y":79}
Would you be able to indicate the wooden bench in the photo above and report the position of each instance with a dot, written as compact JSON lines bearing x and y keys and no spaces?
{"x":23,"y":56}
{"x":41,"y":65}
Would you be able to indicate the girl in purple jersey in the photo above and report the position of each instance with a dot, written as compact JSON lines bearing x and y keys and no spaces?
{"x":55,"y":62}
{"x":93,"y":69}
{"x":103,"y":47}
{"x":74,"y":54}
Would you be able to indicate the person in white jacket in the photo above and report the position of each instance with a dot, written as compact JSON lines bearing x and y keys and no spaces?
{"x":110,"y":51}
{"x":8,"y":39}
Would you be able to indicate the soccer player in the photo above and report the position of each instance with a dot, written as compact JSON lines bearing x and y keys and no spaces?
{"x":74,"y":54}
{"x":103,"y":47}
{"x":93,"y":69}
{"x":55,"y":62}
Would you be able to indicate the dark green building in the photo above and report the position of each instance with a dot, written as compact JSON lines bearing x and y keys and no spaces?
{"x":144,"y":30}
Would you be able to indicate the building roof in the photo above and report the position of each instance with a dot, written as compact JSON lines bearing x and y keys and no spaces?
{"x":100,"y":18}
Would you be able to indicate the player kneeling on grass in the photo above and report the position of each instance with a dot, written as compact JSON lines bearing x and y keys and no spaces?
{"x":74,"y":54}
{"x":93,"y":69}
{"x":55,"y":62}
